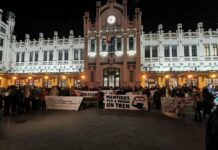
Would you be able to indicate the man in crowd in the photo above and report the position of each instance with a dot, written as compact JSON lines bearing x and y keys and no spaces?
{"x":212,"y":129}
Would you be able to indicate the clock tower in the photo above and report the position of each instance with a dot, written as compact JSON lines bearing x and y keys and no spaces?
{"x":112,"y":46}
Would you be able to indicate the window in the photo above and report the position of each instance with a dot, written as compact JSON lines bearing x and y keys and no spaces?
{"x":82,"y":54}
{"x":1,"y":42}
{"x":22,"y":56}
{"x":147,"y":51}
{"x":60,"y":55}
{"x":92,"y":76}
{"x":66,"y":56}
{"x":131,"y":76}
{"x":194,"y":50}
{"x":119,"y":44}
{"x":76,"y":55}
{"x":17,"y":57}
{"x":174,"y":51}
{"x":3,"y":30}
{"x":1,"y":55}
{"x":92,"y":45}
{"x":166,"y":51}
{"x":36,"y":56}
{"x":31,"y":57}
{"x":131,"y":43}
{"x":207,"y":49}
{"x":186,"y":50}
{"x":50,"y":55}
{"x":215,"y":50}
{"x":104,"y":45}
{"x":45,"y":55}
{"x":154,"y":51}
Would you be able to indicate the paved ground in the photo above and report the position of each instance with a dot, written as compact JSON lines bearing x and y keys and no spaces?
{"x":93,"y":129}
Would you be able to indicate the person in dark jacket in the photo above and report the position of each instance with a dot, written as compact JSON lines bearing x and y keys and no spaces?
{"x":212,"y":129}
{"x":208,"y":96}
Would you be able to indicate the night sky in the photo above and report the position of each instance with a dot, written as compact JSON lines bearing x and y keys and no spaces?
{"x":46,"y":16}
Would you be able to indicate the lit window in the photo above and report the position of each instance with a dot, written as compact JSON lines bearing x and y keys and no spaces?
{"x":207,"y":49}
{"x":215,"y":50}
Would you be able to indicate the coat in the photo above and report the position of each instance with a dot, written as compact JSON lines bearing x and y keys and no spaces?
{"x":212,"y":131}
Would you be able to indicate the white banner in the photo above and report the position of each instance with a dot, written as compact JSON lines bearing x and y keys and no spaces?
{"x":126,"y":102}
{"x":172,"y":106}
{"x":88,"y":94}
{"x":63,"y":102}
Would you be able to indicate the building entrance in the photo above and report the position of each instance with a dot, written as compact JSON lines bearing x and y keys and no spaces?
{"x":111,"y":77}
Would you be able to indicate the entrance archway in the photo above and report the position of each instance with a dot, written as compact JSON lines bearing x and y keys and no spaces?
{"x":111,"y":77}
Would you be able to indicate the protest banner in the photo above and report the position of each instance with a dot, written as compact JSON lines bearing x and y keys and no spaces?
{"x":125,"y":102}
{"x":63,"y":102}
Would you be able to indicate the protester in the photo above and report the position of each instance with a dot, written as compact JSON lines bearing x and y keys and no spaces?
{"x":208,"y":96}
{"x":212,"y":129}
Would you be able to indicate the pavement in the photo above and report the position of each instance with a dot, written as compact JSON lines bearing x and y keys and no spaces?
{"x":95,"y":129}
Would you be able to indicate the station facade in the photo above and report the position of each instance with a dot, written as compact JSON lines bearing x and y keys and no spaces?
{"x":114,"y":52}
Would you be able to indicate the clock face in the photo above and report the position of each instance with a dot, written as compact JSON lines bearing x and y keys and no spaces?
{"x":111,"y":19}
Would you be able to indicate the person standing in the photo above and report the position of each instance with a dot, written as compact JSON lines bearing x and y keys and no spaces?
{"x":212,"y":129}
{"x":208,"y":97}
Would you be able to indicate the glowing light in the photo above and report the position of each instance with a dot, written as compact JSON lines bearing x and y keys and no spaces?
{"x":213,"y":76}
{"x":167,"y":76}
{"x":63,"y":77}
{"x":14,"y":77}
{"x":83,"y":77}
{"x":144,"y":76}
{"x":29,"y":77}
{"x":46,"y":77}
{"x":190,"y":76}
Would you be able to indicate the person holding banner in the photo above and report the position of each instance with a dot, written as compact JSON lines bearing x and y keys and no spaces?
{"x":100,"y":97}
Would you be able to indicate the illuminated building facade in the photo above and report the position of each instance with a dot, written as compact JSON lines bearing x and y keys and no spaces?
{"x":114,"y":52}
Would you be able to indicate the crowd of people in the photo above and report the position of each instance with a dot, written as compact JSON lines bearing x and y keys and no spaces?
{"x":18,"y":100}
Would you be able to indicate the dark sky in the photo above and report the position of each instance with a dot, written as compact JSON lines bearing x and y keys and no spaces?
{"x":34,"y":16}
